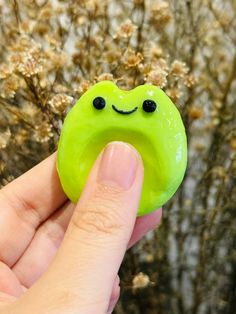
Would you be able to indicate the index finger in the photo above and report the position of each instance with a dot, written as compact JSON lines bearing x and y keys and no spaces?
{"x":24,"y":204}
{"x":39,"y":189}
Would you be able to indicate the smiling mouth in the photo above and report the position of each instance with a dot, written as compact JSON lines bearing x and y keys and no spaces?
{"x":123,"y":111}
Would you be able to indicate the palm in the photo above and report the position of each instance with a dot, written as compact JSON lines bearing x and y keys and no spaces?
{"x":34,"y":215}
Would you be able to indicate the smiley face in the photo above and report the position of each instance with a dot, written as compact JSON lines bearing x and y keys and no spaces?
{"x":146,"y":118}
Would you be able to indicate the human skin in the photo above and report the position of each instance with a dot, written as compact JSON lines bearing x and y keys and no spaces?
{"x":57,"y":257}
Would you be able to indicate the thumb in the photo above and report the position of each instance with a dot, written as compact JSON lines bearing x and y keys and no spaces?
{"x":87,"y":263}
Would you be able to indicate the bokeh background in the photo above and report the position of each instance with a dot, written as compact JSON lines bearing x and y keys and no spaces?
{"x":51,"y":52}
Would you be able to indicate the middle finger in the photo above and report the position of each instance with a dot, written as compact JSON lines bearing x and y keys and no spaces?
{"x":49,"y":236}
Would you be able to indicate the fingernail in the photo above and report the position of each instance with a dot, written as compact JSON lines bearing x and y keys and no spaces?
{"x":118,"y":165}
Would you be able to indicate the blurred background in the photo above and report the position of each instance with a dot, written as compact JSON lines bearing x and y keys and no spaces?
{"x":51,"y":52}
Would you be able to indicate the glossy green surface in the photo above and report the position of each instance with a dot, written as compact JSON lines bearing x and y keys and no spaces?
{"x":159,"y":137}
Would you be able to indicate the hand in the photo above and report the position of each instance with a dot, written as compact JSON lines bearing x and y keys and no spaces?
{"x":56,"y":257}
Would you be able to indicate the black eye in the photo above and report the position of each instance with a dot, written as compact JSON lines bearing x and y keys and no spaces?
{"x":99,"y":103}
{"x":149,"y":105}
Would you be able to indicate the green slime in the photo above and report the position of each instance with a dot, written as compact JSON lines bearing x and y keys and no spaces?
{"x":158,"y":136}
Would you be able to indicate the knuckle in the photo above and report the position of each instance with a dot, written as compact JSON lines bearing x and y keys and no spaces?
{"x":102,"y":214}
{"x":95,"y":221}
{"x":53,"y":231}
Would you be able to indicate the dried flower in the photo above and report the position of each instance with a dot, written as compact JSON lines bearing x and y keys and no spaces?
{"x":112,"y":55}
{"x":42,"y":28}
{"x":5,"y":70}
{"x":2,"y":166}
{"x":174,"y":93}
{"x":233,"y":143}
{"x":150,"y":258}
{"x":225,"y":18}
{"x":21,"y":136}
{"x":4,"y":138}
{"x":217,"y":104}
{"x":141,"y":280}
{"x":23,"y":43}
{"x":43,"y":132}
{"x":95,"y":7}
{"x":7,"y":180}
{"x":219,"y":171}
{"x":58,"y":59}
{"x":179,"y":69}
{"x":215,"y":121}
{"x":46,"y":12}
{"x":157,"y":77}
{"x":153,"y":50}
{"x":145,"y":69}
{"x":126,"y":29}
{"x":195,"y":113}
{"x":60,"y":89}
{"x":105,"y":77}
{"x":84,"y":86}
{"x":132,"y":59}
{"x":27,"y":26}
{"x":60,"y":102}
{"x":160,"y":64}
{"x":190,"y":80}
{"x":30,"y":111}
{"x":9,"y":87}
{"x":160,"y":12}
{"x":29,"y":65}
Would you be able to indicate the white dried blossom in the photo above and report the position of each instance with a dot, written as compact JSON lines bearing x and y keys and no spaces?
{"x":179,"y":69}
{"x":4,"y":138}
{"x":126,"y":29}
{"x":157,"y":77}
{"x":43,"y":132}
{"x":29,"y":65}
{"x":5,"y":70}
{"x":160,"y":12}
{"x":60,"y":102}
{"x":9,"y":87}
{"x":131,"y":58}
{"x":105,"y":77}
{"x":30,"y":110}
{"x":141,"y":280}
